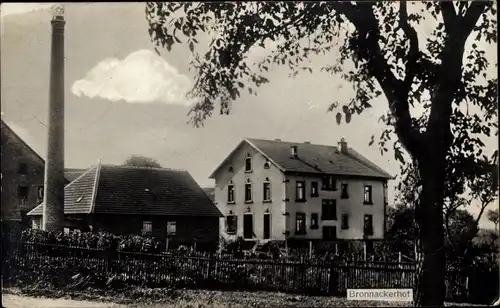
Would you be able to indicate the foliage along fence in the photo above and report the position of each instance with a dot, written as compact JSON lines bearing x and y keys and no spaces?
{"x":64,"y":267}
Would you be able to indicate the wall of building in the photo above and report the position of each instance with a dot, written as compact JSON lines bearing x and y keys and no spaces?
{"x":353,"y":206}
{"x":204,"y":229}
{"x":14,"y":152}
{"x":258,"y":207}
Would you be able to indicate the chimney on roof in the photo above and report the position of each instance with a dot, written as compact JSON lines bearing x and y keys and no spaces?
{"x":293,"y":151}
{"x":342,"y":146}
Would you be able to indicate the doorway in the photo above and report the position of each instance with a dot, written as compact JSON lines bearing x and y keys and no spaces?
{"x":248,"y":226}
{"x":267,"y":226}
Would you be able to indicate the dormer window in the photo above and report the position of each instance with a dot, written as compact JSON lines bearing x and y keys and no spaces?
{"x":231,"y":169}
{"x":248,"y":163}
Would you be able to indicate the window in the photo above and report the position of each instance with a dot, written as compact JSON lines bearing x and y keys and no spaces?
{"x":22,"y":168}
{"x":300,"y":226}
{"x":314,"y":221}
{"x":40,"y":192}
{"x":230,"y":193}
{"x":345,"y":221}
{"x":329,"y":233}
{"x":300,"y":190}
{"x":368,"y":225}
{"x":344,"y":193}
{"x":171,"y":228}
{"x":248,"y":163}
{"x":329,"y":183}
{"x":22,"y":194}
{"x":231,"y":224}
{"x":267,"y":165}
{"x":147,"y":227}
{"x":368,"y":195}
{"x":314,"y":189}
{"x":248,"y":192}
{"x":329,"y":209}
{"x":267,"y":191}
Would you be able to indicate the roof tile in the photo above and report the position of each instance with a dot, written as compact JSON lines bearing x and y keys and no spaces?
{"x":137,"y":191}
{"x":313,"y":158}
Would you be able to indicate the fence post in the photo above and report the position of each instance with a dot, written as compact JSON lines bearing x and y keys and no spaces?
{"x":210,"y":268}
{"x":364,"y":251}
{"x":111,"y":255}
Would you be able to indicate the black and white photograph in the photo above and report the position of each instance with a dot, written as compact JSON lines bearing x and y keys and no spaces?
{"x":249,"y":154}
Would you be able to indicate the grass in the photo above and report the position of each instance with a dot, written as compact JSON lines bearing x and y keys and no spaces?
{"x":184,"y":298}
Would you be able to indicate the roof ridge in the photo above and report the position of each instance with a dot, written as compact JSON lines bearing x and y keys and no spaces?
{"x":95,"y":188}
{"x":295,"y":142}
{"x":147,"y":168}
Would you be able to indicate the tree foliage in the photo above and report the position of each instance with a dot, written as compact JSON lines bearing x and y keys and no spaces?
{"x":493,"y":217}
{"x":380,"y":53}
{"x":141,"y":161}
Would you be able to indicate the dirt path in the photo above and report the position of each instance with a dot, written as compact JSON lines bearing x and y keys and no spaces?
{"x":16,"y":301}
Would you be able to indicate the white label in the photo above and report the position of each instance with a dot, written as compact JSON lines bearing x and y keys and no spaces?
{"x":394,"y":295}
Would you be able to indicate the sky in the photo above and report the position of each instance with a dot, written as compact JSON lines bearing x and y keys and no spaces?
{"x":123,"y":99}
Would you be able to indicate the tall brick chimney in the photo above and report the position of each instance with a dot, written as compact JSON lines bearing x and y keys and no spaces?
{"x":53,"y":209}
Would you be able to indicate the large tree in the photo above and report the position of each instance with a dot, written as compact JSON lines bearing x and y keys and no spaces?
{"x":380,"y":40}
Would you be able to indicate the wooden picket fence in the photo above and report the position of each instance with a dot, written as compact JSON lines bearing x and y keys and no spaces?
{"x":215,"y":272}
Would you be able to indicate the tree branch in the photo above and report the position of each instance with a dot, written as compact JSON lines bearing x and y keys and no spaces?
{"x":414,"y":49}
{"x":363,"y":18}
{"x":470,"y":19}
{"x":449,"y":15}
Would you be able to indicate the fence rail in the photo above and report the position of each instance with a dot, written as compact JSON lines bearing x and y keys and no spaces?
{"x":210,"y":271}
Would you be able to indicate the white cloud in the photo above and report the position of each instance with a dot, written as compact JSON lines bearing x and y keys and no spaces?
{"x":142,"y":77}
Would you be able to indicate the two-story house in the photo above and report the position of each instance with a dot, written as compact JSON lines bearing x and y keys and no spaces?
{"x":275,"y":190}
{"x":22,"y":176}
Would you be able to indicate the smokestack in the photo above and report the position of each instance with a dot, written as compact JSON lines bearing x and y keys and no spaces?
{"x":53,"y":208}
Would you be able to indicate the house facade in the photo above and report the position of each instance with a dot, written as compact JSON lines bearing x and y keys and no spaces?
{"x":142,"y":201}
{"x":22,"y":176}
{"x":274,"y":190}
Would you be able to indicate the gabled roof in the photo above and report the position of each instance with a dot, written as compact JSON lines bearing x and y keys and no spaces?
{"x":210,"y":191}
{"x":106,"y":189}
{"x":9,"y":132}
{"x":313,"y":159}
{"x":73,"y":174}
{"x":69,"y":174}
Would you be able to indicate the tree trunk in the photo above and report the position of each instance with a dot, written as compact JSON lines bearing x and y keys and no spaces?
{"x":431,"y":275}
